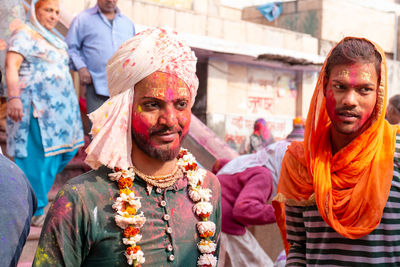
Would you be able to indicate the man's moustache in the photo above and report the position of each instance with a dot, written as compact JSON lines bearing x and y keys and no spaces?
{"x":349,"y":111}
{"x":165,"y":130}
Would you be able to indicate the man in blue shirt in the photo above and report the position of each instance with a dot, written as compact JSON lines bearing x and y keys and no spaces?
{"x":93,"y":37}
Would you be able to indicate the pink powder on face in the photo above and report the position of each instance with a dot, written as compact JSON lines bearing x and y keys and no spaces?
{"x":354,"y":69}
{"x":141,"y":125}
{"x":331,"y":105}
{"x":170,"y":94}
{"x":168,"y":90}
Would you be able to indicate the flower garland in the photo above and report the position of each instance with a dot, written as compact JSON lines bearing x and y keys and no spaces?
{"x":128,"y":218}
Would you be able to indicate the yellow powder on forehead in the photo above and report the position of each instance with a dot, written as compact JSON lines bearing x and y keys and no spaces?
{"x":159,"y":92}
{"x":366,"y":76}
{"x":344,"y":73}
{"x":182,"y":91}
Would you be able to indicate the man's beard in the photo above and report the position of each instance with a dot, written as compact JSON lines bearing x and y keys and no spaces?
{"x":165,"y":154}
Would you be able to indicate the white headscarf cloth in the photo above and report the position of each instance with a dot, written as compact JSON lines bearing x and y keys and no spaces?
{"x":147,"y":52}
{"x":49,"y":36}
{"x":270,"y":157}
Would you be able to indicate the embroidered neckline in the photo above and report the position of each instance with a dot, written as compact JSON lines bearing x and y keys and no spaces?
{"x":128,"y":218}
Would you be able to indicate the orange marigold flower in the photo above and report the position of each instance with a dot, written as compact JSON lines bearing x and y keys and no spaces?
{"x":125,"y":183}
{"x":207,"y":234}
{"x":132,"y":250}
{"x":182,"y":153}
{"x":130,"y":231}
{"x":131,"y":210}
{"x":126,"y":191}
{"x":192,"y":166}
{"x":204,"y":215}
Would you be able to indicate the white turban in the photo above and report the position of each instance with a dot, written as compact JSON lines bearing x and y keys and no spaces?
{"x":147,"y":52}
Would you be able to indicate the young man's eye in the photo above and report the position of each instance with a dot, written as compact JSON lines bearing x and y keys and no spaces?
{"x":182,"y":104}
{"x":366,"y":90}
{"x":338,"y":86}
{"x":151,"y":105}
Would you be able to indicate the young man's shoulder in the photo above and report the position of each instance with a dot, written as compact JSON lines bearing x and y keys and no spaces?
{"x":96,"y":178}
{"x":211,"y":181}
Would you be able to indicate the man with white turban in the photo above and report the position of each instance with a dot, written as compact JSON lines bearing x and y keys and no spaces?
{"x":147,"y":201}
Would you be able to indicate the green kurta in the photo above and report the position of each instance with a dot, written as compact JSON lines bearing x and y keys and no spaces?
{"x":80,"y":229}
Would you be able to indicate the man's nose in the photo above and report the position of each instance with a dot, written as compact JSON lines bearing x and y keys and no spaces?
{"x":168,"y":116}
{"x":350,"y":98}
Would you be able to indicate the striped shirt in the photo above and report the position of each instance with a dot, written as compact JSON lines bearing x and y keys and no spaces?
{"x":314,"y":243}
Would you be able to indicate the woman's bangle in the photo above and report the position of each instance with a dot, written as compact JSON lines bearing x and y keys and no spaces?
{"x":13,"y":97}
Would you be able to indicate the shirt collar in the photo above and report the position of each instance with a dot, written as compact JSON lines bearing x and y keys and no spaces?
{"x":96,"y":9}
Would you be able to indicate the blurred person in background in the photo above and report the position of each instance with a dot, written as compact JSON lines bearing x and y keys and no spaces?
{"x":44,"y":128}
{"x":248,"y":182}
{"x":17,"y":206}
{"x":260,"y":138}
{"x":393,"y":110}
{"x":93,"y":37}
{"x":12,"y":14}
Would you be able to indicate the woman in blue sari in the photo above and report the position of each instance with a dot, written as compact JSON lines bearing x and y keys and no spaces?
{"x":44,"y":129}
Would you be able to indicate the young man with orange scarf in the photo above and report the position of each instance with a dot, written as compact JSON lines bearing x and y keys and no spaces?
{"x":338,"y":200}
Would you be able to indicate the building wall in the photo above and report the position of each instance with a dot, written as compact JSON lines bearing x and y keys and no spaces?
{"x":299,"y":16}
{"x":342,"y":18}
{"x":238,"y":94}
{"x":331,"y":20}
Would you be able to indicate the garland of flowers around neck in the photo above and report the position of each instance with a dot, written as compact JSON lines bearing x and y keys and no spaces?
{"x":128,"y":218}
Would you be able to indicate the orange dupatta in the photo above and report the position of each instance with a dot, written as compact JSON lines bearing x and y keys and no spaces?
{"x":350,"y":188}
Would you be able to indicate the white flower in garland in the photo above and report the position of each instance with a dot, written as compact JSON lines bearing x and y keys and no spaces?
{"x":206,"y":228}
{"x":196,"y":178}
{"x":132,"y":240}
{"x":200,"y":194}
{"x":203,"y":209}
{"x":135,"y":258}
{"x":129,"y":199}
{"x":137,"y":220}
{"x":121,"y":173}
{"x":206,"y":246}
{"x":207,"y":260}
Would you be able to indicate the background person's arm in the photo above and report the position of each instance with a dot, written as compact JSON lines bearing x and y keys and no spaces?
{"x":14,"y":105}
{"x":74,"y":40}
{"x":251,"y":206}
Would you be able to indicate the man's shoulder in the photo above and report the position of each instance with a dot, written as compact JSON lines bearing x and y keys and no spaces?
{"x":125,"y":19}
{"x":211,"y":181}
{"x":98,"y":178}
{"x":86,"y":14}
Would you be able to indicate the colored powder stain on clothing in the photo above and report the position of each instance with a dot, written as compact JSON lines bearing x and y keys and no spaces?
{"x":68,"y":205}
{"x":42,"y":258}
{"x":111,"y":194}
